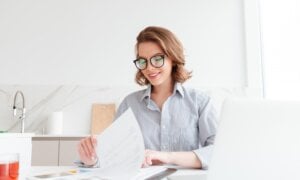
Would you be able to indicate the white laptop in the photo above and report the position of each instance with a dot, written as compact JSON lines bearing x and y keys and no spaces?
{"x":257,"y":140}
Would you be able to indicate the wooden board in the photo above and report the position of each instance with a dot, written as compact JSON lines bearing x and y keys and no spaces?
{"x":102,"y":117}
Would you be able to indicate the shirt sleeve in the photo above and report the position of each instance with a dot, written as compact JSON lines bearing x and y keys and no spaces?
{"x":207,"y":124}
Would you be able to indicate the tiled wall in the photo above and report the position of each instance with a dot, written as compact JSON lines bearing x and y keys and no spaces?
{"x":75,"y":102}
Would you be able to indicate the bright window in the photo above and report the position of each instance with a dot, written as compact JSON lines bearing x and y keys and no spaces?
{"x":280,"y":27}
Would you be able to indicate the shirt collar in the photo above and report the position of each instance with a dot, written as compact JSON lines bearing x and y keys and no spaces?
{"x":177,"y":88}
{"x":147,"y":93}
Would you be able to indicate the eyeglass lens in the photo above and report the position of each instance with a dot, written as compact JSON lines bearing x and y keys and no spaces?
{"x":156,"y":61}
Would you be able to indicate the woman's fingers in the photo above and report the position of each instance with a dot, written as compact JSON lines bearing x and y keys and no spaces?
{"x":150,"y":157}
{"x":149,"y":160}
{"x":81,"y":151}
{"x":144,"y":164}
{"x":89,"y":146}
{"x":94,"y":145}
{"x":94,"y":140}
{"x":156,"y":157}
{"x":85,"y":146}
{"x":86,"y":149}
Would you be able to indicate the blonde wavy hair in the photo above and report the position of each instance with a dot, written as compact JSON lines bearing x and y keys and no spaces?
{"x":171,"y":47}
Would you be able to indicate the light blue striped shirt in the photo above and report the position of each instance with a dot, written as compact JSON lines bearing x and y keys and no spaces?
{"x":187,"y":121}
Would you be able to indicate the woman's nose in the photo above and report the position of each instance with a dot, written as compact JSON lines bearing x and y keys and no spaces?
{"x":149,"y":66}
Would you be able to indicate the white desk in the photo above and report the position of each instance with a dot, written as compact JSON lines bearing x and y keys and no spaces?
{"x":180,"y":174}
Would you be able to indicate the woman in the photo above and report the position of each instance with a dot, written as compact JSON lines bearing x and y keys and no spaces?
{"x":178,"y":124}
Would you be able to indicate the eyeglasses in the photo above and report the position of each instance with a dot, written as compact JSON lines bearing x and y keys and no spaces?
{"x":156,"y":61}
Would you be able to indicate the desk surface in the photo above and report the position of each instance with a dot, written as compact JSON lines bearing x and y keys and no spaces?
{"x":180,"y":174}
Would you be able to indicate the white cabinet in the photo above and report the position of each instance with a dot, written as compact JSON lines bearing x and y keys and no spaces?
{"x":45,"y":151}
{"x":54,"y":151}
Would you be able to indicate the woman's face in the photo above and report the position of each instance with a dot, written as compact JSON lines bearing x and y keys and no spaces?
{"x":156,"y":76}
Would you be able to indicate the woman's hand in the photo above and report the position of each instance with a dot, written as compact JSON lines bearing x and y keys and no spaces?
{"x":186,"y":159}
{"x":86,"y":149}
{"x":155,"y":158}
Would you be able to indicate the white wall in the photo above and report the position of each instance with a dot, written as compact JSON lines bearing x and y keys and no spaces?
{"x":91,"y":42}
{"x":67,"y":42}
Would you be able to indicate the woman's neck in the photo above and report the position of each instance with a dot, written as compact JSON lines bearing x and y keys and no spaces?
{"x":165,"y":88}
{"x":160,"y":93}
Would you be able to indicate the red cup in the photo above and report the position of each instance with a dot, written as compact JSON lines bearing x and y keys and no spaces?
{"x":9,"y":166}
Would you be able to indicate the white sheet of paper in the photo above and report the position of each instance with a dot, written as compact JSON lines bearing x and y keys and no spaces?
{"x":121,"y":148}
{"x":121,"y":152}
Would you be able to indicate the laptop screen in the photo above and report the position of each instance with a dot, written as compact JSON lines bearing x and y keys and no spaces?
{"x":257,"y":139}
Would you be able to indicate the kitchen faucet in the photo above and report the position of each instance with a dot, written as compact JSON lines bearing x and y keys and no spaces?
{"x":21,"y":109}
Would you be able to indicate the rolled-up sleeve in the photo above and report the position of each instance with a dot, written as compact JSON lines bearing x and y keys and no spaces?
{"x":207,"y":125}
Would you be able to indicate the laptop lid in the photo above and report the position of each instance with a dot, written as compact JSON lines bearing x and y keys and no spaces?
{"x":257,"y":140}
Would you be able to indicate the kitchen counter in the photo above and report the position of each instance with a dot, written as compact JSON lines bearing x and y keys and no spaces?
{"x":33,"y":135}
{"x":17,"y":135}
{"x":61,"y":135}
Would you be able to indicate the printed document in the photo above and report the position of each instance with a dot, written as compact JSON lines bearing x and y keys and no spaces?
{"x":121,"y":148}
{"x":120,"y":151}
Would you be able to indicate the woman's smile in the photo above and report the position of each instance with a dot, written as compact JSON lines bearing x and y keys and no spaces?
{"x":153,"y":76}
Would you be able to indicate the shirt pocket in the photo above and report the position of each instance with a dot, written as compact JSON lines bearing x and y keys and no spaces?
{"x":185,"y":119}
{"x":185,"y":134}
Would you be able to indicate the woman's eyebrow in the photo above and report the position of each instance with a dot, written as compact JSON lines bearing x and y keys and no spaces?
{"x":160,"y":53}
{"x":141,"y":57}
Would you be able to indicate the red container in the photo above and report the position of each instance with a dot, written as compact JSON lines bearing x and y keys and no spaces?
{"x":9,"y":166}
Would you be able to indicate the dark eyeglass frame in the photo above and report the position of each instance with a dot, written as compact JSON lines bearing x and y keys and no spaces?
{"x":163,"y":56}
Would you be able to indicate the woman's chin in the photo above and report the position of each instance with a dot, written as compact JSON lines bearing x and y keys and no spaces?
{"x":155,"y":83}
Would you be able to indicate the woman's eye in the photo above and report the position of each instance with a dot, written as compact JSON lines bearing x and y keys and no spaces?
{"x":158,"y":58}
{"x":142,"y":61}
